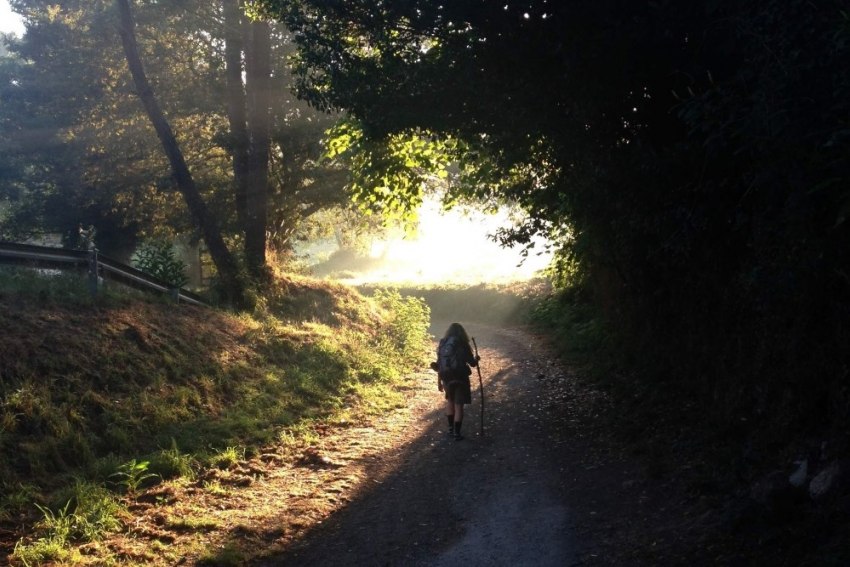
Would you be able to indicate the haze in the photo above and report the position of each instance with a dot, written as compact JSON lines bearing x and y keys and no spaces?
{"x":450,"y":247}
{"x":9,"y":21}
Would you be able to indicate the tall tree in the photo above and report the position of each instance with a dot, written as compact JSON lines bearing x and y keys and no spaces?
{"x":258,"y":88}
{"x":94,"y":157}
{"x":224,"y":261}
{"x":234,"y":32}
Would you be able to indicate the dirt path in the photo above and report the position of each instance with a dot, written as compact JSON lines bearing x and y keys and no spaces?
{"x":493,"y":500}
{"x":542,"y":487}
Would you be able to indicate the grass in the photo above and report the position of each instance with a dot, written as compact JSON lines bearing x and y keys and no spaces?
{"x":90,"y":512}
{"x":192,"y":523}
{"x":484,"y":303}
{"x":227,"y":458}
{"x":99,"y":399}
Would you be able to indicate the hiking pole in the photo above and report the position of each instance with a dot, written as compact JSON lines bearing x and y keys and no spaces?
{"x":480,"y":384}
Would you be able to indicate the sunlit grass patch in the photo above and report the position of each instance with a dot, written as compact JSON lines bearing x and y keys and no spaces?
{"x":50,"y":548}
{"x":227,"y":457}
{"x":171,"y":463}
{"x":378,"y":399}
{"x":128,"y":396}
{"x":215,"y":487}
{"x":301,"y":433}
{"x":88,"y":514}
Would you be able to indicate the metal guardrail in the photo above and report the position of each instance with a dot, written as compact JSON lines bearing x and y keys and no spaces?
{"x":97,"y":266}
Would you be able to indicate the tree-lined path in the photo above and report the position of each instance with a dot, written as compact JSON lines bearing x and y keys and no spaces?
{"x":535,"y":490}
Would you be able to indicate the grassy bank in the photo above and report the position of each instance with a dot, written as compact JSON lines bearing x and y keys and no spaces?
{"x":99,"y":399}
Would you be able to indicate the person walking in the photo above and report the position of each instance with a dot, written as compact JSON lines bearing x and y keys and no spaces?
{"x":454,"y":359}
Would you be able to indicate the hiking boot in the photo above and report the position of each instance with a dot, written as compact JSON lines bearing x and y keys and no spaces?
{"x":458,"y":437}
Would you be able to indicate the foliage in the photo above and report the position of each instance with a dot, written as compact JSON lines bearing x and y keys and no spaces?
{"x":133,"y":475}
{"x":486,"y":303}
{"x":388,"y":177}
{"x":83,"y":151}
{"x":407,"y":324}
{"x":690,"y":160}
{"x":158,"y":259}
{"x":62,"y":287}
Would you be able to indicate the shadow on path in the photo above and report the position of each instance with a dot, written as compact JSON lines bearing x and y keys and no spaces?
{"x":430,"y":500}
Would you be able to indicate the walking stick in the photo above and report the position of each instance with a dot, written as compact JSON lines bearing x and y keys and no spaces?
{"x":480,"y":384}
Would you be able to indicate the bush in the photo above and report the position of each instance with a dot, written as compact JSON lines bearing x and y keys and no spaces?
{"x":157,"y":258}
{"x":407,"y":323}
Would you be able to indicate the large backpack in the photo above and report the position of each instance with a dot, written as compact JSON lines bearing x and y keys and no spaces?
{"x":451,"y":365}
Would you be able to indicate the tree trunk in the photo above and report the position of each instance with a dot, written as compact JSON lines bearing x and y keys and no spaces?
{"x":235,"y":28}
{"x":258,"y":88}
{"x":221,"y":256}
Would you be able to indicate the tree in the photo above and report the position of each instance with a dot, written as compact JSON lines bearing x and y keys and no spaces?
{"x":690,"y":157}
{"x":224,"y":261}
{"x":97,"y":160}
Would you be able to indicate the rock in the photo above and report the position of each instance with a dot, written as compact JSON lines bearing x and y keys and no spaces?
{"x":827,"y":480}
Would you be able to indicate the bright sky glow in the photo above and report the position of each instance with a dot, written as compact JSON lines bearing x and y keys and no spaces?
{"x":451,"y":248}
{"x":10,"y":21}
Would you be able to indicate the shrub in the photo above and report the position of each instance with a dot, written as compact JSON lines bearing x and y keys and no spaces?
{"x":157,"y":258}
{"x":407,"y":323}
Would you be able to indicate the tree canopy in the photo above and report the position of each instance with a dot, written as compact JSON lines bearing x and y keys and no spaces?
{"x":690,"y":159}
{"x":83,"y":150}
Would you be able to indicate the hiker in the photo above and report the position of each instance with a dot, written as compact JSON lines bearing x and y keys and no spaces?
{"x":454,"y":358}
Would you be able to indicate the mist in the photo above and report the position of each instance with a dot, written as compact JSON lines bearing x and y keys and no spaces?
{"x":451,"y":247}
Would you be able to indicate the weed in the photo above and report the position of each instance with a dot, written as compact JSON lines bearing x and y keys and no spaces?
{"x":227,"y":458}
{"x":170,"y":463}
{"x":132,"y":475}
{"x":215,"y":487}
{"x":40,"y":551}
{"x":53,"y":545}
{"x":58,"y":525}
{"x":96,"y":511}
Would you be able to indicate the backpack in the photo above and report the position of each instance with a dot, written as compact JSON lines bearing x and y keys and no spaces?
{"x":451,"y":365}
